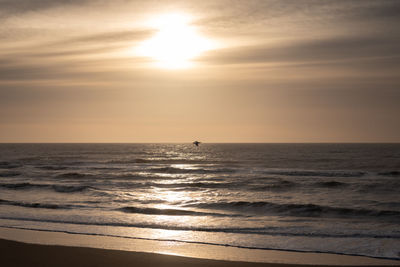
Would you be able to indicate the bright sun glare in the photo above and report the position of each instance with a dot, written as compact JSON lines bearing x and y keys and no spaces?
{"x":176,"y":42}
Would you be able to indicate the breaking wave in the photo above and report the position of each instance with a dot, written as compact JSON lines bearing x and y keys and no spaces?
{"x":272,"y":231}
{"x":174,"y":170}
{"x":52,"y":168}
{"x":57,"y":188}
{"x":74,"y":175}
{"x":34,"y":205}
{"x":300,"y":173}
{"x":170,"y":212}
{"x":9,"y":174}
{"x":300,"y":210}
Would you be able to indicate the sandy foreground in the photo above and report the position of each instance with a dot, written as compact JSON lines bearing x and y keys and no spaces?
{"x":61,"y":249}
{"x":22,"y":254}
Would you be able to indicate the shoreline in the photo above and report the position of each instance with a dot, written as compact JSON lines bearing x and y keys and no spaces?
{"x":191,"y":243}
{"x":14,"y":241}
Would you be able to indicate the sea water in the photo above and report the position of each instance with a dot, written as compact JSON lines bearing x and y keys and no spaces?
{"x":337,"y":198}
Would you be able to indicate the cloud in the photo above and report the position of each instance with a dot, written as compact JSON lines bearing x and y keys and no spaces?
{"x":114,"y":36}
{"x":12,"y":8}
{"x":60,"y":71}
{"x":384,"y":9}
{"x":74,"y":57}
{"x":310,"y":51}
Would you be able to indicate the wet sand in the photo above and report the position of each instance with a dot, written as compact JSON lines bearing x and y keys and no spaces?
{"x":46,"y":248}
{"x":23,"y":254}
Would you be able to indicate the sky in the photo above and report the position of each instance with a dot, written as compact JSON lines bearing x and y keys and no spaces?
{"x":210,"y":70}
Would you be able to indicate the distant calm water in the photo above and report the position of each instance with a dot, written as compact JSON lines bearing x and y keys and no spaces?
{"x":340,"y":198}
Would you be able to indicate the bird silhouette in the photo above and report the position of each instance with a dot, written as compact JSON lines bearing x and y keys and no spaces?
{"x":196,"y":143}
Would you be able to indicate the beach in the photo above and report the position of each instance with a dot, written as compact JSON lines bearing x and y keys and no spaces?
{"x":23,"y":254}
{"x":45,"y":255}
{"x":41,"y":248}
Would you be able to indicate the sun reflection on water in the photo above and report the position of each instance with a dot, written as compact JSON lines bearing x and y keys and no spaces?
{"x":171,"y":197}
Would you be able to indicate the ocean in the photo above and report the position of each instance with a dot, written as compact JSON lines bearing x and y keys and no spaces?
{"x":336,"y":198}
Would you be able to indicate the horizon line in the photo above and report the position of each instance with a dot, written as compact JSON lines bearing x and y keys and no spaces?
{"x":190,"y":142}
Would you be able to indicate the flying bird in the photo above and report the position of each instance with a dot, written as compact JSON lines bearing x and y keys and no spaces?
{"x":196,"y":143}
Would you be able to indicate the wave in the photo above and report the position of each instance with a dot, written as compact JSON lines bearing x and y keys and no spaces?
{"x":300,"y":210}
{"x":196,"y":185}
{"x":170,"y":212}
{"x":141,"y":201}
{"x":30,"y":159}
{"x":108,"y":168}
{"x":284,"y":185}
{"x":331,"y":184}
{"x":276,"y":186}
{"x":181,"y":186}
{"x":34,"y":205}
{"x":9,"y":165}
{"x":74,"y":175}
{"x":158,"y":161}
{"x":9,"y":174}
{"x":52,"y":168}
{"x":390,"y":173}
{"x":21,"y":186}
{"x":108,"y":176}
{"x":173,"y":170}
{"x":391,"y":186}
{"x":57,"y":188}
{"x":270,"y":231}
{"x":338,"y":173}
{"x":316,"y":173}
{"x":129,"y":161}
{"x":70,"y":188}
{"x":129,"y":176}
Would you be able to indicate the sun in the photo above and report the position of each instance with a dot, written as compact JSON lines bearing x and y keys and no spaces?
{"x":176,"y":42}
